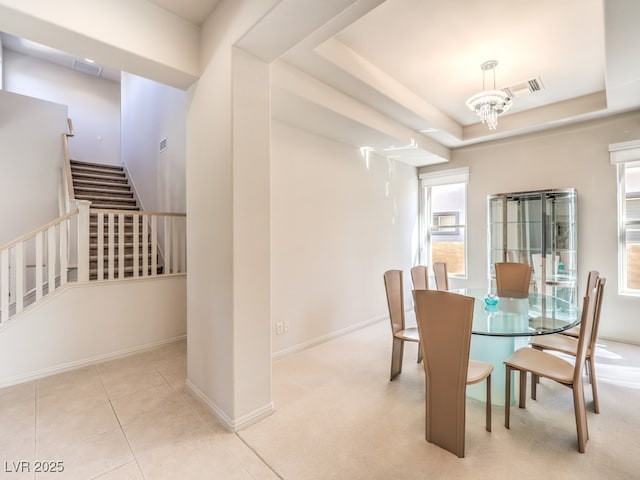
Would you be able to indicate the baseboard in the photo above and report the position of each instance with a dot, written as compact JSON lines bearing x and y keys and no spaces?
{"x":619,"y":340}
{"x":325,"y":338}
{"x":232,"y":425}
{"x":86,"y":362}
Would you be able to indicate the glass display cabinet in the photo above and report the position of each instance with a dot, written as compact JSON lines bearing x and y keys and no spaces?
{"x":538,"y":228}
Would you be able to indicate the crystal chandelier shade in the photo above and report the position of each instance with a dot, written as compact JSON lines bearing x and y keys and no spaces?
{"x":489,"y":104}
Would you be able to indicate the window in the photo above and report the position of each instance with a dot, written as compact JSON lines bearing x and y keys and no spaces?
{"x":629,"y":226}
{"x":627,"y":158}
{"x":443,"y":208}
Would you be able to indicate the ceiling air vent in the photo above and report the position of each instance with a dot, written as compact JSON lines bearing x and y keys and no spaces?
{"x":524,"y":88}
{"x":87,"y":68}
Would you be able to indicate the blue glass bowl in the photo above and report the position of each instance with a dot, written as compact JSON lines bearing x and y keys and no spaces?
{"x":491,"y":300}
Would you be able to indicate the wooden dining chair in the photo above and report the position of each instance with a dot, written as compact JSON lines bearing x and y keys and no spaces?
{"x":542,"y":364}
{"x":441,"y":276}
{"x":444,"y":322}
{"x":401,"y":334}
{"x":569,"y":345}
{"x":420,"y":277}
{"x":513,"y":279}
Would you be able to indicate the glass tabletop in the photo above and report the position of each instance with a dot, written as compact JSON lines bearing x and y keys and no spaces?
{"x":536,"y":314}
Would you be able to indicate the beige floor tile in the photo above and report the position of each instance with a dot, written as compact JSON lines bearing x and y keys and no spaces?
{"x":249,"y":460}
{"x":67,"y":380}
{"x":69,"y":393}
{"x":194,"y":458}
{"x":161,"y":431}
{"x":147,"y":402}
{"x":119,"y":383}
{"x":75,"y":426}
{"x":174,"y":374}
{"x":88,"y":458}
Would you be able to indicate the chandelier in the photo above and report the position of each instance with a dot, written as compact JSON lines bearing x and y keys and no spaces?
{"x":489,"y":104}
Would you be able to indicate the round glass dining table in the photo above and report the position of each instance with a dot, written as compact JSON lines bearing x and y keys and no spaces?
{"x":499,"y":330}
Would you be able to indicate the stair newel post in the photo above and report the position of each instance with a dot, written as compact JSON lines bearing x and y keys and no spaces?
{"x":83,"y":240}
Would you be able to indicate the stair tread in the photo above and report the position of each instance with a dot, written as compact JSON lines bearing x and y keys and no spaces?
{"x":95,"y":175}
{"x":93,"y":164}
{"x":101,"y":183}
{"x":105,"y":190}
{"x":106,"y":197}
{"x":111,"y":206}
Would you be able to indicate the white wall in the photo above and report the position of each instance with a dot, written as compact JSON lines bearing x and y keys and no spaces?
{"x":30,"y":163}
{"x":86,"y":323}
{"x":577,"y":157}
{"x":151,"y":112}
{"x":94,"y":103}
{"x":338,"y":222}
{"x":229,"y":354}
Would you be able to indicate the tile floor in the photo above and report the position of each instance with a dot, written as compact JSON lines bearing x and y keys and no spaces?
{"x":130,"y":418}
{"x":337,"y":417}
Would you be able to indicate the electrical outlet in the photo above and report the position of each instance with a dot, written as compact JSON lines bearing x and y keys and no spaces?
{"x":286,"y":327}
{"x":279,"y":328}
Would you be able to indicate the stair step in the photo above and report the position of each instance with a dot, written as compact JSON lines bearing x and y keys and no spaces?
{"x":100,"y":177}
{"x":108,"y":198}
{"x":93,"y":164}
{"x":97,"y":172}
{"x":118,"y":185}
{"x":103,"y":180}
{"x":98,"y":191}
{"x":112,"y":206}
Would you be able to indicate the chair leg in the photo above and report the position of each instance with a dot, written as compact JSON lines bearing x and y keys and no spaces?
{"x":594,"y":384}
{"x":397,"y":350}
{"x":523,"y":389}
{"x":534,"y":385}
{"x":488,"y":419}
{"x":419,"y":353}
{"x":507,"y":397}
{"x":581,"y":417}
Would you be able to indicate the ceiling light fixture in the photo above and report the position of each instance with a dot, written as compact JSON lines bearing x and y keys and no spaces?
{"x":489,"y":104}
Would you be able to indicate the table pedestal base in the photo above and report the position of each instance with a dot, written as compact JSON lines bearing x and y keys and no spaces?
{"x":494,"y":350}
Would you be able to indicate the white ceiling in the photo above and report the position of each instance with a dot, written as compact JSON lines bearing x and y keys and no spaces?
{"x":417,"y":61}
{"x":196,"y":11}
{"x":435,"y":48}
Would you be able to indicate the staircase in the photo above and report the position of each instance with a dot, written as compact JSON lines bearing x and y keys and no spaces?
{"x":107,"y":188}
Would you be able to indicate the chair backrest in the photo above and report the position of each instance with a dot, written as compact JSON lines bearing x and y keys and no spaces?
{"x":420,"y":277}
{"x":395,"y":299}
{"x":441,"y":276}
{"x":601,"y":282}
{"x":592,"y":278}
{"x":444,"y":323}
{"x":589,"y":308}
{"x":513,"y":279}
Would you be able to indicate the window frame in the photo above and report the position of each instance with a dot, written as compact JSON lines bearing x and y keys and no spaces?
{"x":426,"y":214}
{"x":622,"y":155}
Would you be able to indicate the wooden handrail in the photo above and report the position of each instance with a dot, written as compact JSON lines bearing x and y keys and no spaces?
{"x":39,"y":229}
{"x":67,"y":159}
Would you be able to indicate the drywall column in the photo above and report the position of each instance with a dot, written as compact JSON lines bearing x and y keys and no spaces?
{"x":228,"y":294}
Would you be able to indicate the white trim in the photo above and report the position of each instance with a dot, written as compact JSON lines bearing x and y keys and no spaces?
{"x":287,"y":352}
{"x":624,"y":152}
{"x":444,"y":177}
{"x":65,"y":367}
{"x":230,"y":424}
